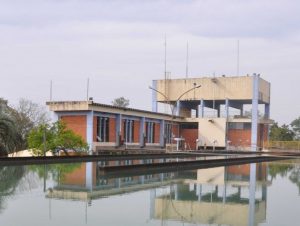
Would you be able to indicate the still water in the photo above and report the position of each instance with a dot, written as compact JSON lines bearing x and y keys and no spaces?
{"x":81,"y":194}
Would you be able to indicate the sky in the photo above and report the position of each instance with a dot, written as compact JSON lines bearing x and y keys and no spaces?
{"x":119,"y":46}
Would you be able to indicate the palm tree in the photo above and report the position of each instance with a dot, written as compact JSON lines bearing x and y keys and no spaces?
{"x":9,"y":137}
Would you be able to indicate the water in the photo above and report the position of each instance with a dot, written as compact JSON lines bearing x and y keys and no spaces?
{"x":80,"y":194}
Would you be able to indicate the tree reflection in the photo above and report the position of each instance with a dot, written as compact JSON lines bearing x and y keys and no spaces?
{"x":295,"y":177}
{"x":10,"y":177}
{"x":280,"y":169}
{"x":54,"y":171}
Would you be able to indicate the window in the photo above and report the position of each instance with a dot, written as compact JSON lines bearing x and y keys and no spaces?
{"x":150,"y":130}
{"x":239,"y":125}
{"x":102,"y":129}
{"x":128,"y":130}
{"x":168,"y":133}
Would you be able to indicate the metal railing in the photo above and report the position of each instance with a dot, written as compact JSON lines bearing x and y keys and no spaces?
{"x":284,"y":145}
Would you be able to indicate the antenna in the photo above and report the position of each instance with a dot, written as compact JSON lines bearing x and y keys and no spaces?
{"x":238,"y":58}
{"x":187,"y":61}
{"x":50,"y":90}
{"x":165,"y":91}
{"x":87,"y":88}
{"x":165,"y":57}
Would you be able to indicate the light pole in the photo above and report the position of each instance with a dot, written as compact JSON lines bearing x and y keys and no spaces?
{"x":172,"y":106}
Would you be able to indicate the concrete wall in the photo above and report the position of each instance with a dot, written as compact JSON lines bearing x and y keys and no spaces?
{"x":210,"y":131}
{"x":233,"y":88}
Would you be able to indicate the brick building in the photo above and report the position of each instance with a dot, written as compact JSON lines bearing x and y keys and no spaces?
{"x":201,"y":117}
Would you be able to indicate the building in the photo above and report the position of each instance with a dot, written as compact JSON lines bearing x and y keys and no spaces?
{"x":200,"y":117}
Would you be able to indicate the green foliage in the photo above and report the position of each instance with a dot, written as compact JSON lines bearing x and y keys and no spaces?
{"x":9,"y":136}
{"x":57,"y":137}
{"x":281,"y":133}
{"x":295,"y":124}
{"x":120,"y":102}
{"x":15,"y":124}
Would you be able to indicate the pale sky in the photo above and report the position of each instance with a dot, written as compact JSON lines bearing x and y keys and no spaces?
{"x":119,"y":45}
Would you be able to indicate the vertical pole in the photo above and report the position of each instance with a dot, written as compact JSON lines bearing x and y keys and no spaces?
{"x":154,"y":96}
{"x":118,"y":129}
{"x":89,"y":130}
{"x":142,"y":132}
{"x":162,"y":133}
{"x":50,"y":90}
{"x":89,"y":175}
{"x":87,"y":89}
{"x":254,"y":125}
{"x":44,"y":140}
{"x":238,"y":58}
{"x":251,"y":219}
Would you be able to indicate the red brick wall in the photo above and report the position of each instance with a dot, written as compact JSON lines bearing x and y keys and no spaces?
{"x":78,"y":176}
{"x":262,"y":134}
{"x":136,"y":131}
{"x":77,"y":123}
{"x":239,"y":137}
{"x":175,"y":130}
{"x":112,"y":130}
{"x":261,"y":170}
{"x":156,"y":132}
{"x":190,"y":136}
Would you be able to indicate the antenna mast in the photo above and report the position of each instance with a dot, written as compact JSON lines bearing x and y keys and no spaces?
{"x":50,"y":90}
{"x":87,"y":88}
{"x":187,"y":61}
{"x":238,"y":58}
{"x":165,"y":91}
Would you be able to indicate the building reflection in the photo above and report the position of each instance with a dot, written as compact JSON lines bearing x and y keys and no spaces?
{"x":219,"y":196}
{"x":233,"y":195}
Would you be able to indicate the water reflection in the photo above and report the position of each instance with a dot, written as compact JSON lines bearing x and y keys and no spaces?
{"x":233,"y":195}
{"x":9,"y":180}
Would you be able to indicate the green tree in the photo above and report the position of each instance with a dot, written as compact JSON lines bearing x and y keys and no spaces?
{"x":295,"y":124}
{"x":58,"y":137}
{"x":120,"y":102}
{"x":281,"y":133}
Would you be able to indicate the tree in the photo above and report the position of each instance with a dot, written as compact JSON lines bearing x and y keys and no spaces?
{"x":295,"y":124}
{"x":28,"y":115}
{"x":120,"y":102}
{"x":9,"y":137}
{"x":282,"y":133}
{"x":57,"y":137}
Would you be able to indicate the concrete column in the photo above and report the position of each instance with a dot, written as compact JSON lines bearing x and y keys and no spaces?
{"x":89,"y":176}
{"x":142,"y":132}
{"x":162,"y":133}
{"x":130,"y":131}
{"x":227,"y":108}
{"x":219,"y":110}
{"x":118,"y":129}
{"x":242,"y":110}
{"x":267,"y":111}
{"x":201,"y":110}
{"x":89,"y":130}
{"x":154,"y":96}
{"x":177,"y":112}
{"x":254,"y":124}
